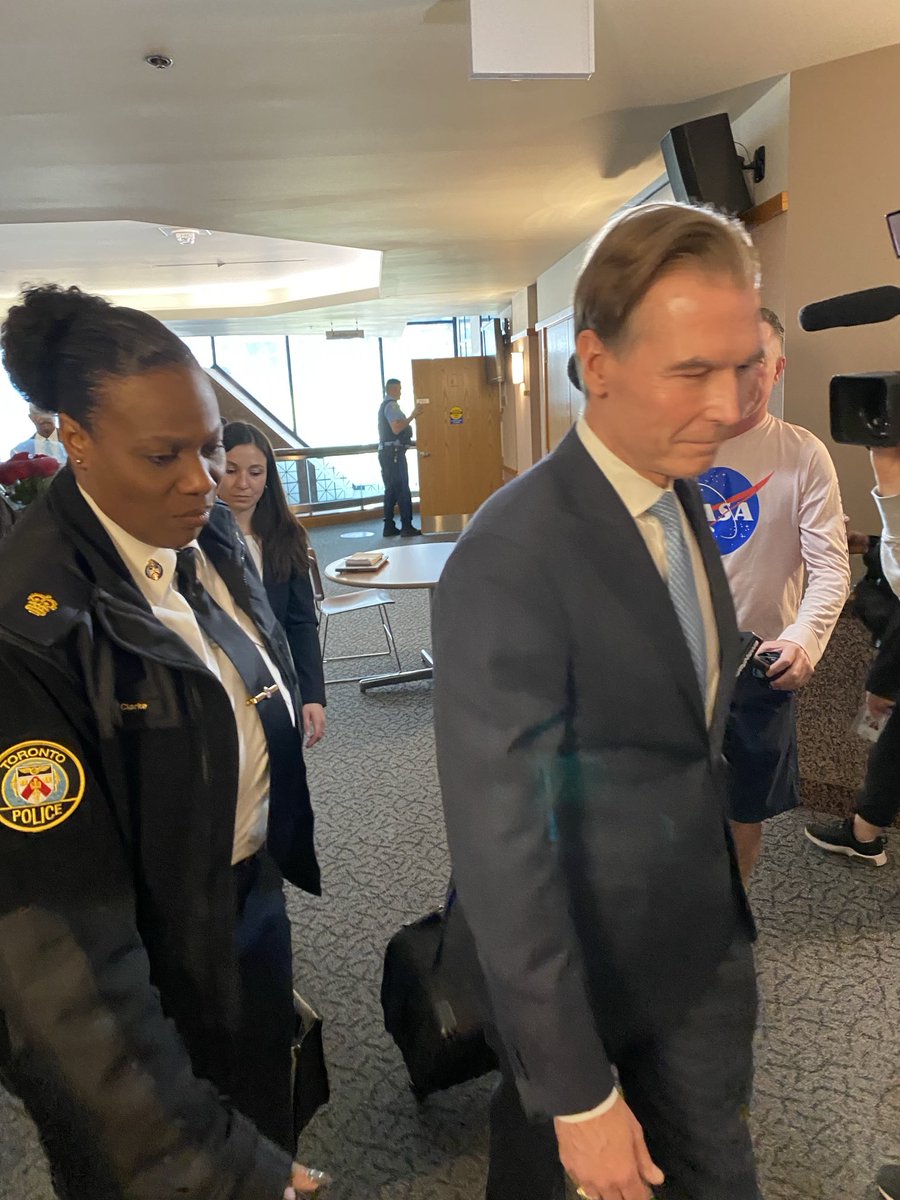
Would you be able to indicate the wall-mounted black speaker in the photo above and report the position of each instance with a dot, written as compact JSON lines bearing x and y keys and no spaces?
{"x":493,"y":346}
{"x":703,"y":165}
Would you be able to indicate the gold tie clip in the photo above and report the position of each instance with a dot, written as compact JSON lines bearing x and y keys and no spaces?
{"x":263,"y":695}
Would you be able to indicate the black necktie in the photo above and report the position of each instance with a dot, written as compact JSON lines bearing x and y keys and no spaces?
{"x":263,"y":693}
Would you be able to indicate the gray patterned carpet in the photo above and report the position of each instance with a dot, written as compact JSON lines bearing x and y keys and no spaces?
{"x":827,"y":1108}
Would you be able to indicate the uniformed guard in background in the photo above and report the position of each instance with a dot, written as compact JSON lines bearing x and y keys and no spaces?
{"x":152,"y":785}
{"x":394,"y":439}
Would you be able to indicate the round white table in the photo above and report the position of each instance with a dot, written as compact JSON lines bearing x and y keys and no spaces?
{"x":407,"y":568}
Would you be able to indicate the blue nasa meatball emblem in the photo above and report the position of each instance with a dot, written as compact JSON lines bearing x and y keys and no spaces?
{"x":732,"y":506}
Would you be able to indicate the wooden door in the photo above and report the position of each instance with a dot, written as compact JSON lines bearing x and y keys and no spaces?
{"x":457,"y":439}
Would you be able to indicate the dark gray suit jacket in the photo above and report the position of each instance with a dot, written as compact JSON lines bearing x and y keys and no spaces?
{"x":584,"y":795}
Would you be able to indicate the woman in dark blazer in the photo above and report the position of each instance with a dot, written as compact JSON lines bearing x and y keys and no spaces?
{"x":278,"y":546}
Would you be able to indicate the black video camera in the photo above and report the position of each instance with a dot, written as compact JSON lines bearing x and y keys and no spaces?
{"x":865,"y":408}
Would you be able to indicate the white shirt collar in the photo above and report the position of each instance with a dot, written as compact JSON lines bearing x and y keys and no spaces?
{"x":151,"y":567}
{"x":636,"y":493}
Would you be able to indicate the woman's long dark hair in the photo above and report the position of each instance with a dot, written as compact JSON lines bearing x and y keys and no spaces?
{"x":284,"y":540}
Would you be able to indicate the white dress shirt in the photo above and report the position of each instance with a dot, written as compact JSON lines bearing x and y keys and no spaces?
{"x":638,"y":495}
{"x":38,"y":444}
{"x":254,"y":549}
{"x":172,"y":609}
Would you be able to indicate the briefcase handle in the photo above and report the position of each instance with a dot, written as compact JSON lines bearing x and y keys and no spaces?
{"x":449,"y":900}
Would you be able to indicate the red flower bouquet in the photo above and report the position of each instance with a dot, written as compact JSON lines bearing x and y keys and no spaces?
{"x":25,"y":477}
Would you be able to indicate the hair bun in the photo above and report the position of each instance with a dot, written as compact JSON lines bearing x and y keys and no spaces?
{"x":33,"y":336}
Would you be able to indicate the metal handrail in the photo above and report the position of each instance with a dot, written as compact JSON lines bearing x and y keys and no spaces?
{"x":288,"y":454}
{"x":307,"y":494}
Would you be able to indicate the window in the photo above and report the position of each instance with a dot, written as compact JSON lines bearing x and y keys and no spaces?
{"x":260,"y":366}
{"x":15,"y":426}
{"x":202,"y":350}
{"x":425,"y":339}
{"x":337,"y":389}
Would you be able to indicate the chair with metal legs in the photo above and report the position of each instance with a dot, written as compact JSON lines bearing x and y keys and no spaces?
{"x":350,"y":602}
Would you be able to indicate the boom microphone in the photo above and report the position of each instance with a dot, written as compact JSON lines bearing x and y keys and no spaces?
{"x":855,"y":308}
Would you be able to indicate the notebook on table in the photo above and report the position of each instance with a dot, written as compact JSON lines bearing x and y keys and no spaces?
{"x":363,"y":560}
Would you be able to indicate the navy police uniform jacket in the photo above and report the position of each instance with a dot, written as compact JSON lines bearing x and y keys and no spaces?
{"x":118,"y":781}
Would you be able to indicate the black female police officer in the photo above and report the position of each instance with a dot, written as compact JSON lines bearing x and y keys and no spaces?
{"x":151,"y":777}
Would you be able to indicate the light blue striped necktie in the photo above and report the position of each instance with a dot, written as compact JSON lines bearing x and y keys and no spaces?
{"x":682,"y":584}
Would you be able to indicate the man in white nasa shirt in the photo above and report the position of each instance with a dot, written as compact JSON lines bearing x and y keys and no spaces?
{"x":774,"y":508}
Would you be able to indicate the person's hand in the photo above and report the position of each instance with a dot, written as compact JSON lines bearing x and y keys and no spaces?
{"x":857,"y":543}
{"x":305,"y":1182}
{"x":417,"y":411}
{"x":607,"y":1157}
{"x":886,"y":465}
{"x":792,"y":669}
{"x":878,"y":706}
{"x":313,"y":723}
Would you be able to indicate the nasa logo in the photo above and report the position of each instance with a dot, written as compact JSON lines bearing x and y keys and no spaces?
{"x":732,"y":506}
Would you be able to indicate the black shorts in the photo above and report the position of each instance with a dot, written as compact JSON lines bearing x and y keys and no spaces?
{"x":761,"y":749}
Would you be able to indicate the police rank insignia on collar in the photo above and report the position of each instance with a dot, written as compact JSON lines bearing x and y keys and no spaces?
{"x":39,"y":604}
{"x":153,"y":570}
{"x":41,"y":785}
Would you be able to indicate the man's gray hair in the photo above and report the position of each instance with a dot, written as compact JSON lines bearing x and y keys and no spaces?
{"x":771,"y":318}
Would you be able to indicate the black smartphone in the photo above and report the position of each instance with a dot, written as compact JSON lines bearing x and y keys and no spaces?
{"x":760,"y":664}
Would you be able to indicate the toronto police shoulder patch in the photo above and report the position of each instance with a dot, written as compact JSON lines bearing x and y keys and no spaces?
{"x":41,"y":785}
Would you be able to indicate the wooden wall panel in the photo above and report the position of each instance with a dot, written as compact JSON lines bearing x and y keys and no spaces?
{"x":562,"y":400}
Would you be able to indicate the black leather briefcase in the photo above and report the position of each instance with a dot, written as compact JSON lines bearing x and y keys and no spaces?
{"x":432,"y":997}
{"x":309,"y":1074}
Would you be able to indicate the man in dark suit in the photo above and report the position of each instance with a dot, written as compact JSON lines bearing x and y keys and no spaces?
{"x":586,"y":650}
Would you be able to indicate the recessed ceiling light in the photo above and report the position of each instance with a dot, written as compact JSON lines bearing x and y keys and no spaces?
{"x":162,"y":62}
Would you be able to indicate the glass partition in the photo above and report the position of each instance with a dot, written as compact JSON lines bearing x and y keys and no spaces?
{"x":317,"y":479}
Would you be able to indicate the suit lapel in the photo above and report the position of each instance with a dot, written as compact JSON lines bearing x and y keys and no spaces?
{"x":723,"y":605}
{"x":614,"y":543}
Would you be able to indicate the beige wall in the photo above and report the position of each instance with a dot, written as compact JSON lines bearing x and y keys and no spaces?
{"x":555,"y":287}
{"x":844,"y":177}
{"x":509,"y":441}
{"x":765,"y":123}
{"x":771,"y":245}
